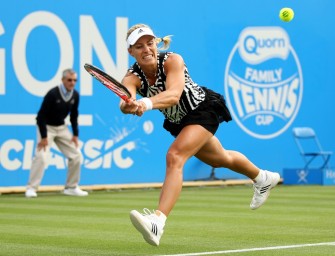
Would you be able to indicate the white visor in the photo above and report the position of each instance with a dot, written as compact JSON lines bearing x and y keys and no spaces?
{"x":137,"y":33}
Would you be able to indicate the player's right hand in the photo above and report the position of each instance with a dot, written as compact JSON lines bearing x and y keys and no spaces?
{"x":141,"y":108}
{"x":129,"y":107}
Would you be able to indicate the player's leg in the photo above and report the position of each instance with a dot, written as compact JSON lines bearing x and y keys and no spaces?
{"x":215,"y":155}
{"x":39,"y":163}
{"x":187,"y":143}
{"x":72,"y":153}
{"x":190,"y":140}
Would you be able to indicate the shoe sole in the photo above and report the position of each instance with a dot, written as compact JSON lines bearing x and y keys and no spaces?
{"x":135,"y":218}
{"x":69,"y":194}
{"x":31,"y":196}
{"x":273,"y":184}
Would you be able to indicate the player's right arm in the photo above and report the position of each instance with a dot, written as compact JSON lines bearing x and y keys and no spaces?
{"x":131,"y":82}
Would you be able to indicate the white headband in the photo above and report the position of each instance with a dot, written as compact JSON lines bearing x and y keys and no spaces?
{"x":137,"y":33}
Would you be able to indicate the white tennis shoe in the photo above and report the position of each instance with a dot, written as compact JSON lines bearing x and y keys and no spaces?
{"x":30,"y":193}
{"x":149,"y":225}
{"x":262,"y":191}
{"x":75,"y":192}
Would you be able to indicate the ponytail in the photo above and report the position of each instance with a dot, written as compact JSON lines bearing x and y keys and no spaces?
{"x":166,"y":42}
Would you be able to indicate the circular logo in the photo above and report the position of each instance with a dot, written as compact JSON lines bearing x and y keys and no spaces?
{"x":263,"y":82}
{"x":148,"y":127}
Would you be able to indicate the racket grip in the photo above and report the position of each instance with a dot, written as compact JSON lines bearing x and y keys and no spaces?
{"x":126,"y":99}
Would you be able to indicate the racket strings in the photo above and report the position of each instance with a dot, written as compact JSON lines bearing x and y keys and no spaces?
{"x":109,"y":84}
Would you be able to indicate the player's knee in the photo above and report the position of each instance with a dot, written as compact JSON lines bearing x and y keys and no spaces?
{"x":217,"y":165}
{"x":225,"y":161}
{"x":174,"y":158}
{"x":228,"y":160}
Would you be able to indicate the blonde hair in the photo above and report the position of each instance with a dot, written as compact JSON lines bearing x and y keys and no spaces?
{"x":166,"y":39}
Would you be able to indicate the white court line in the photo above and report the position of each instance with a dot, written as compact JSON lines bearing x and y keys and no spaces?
{"x":252,"y":249}
{"x":30,"y":119}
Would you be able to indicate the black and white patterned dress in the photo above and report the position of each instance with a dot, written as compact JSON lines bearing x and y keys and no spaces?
{"x":190,"y":99}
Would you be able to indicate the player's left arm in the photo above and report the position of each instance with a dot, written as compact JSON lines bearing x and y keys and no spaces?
{"x":175,"y":82}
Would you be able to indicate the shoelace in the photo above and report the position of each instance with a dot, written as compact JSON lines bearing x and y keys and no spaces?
{"x":154,"y":221}
{"x":147,"y":212}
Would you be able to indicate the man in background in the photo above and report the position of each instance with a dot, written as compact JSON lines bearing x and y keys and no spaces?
{"x":57,"y":104}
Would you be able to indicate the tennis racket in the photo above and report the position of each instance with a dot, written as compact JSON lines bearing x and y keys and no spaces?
{"x":108,"y":81}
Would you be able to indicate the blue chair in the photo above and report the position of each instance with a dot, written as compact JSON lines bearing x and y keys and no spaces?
{"x":310,"y":147}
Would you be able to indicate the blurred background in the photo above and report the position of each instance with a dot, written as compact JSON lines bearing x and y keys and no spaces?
{"x":274,"y":75}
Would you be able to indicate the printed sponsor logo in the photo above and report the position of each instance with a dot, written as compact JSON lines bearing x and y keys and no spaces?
{"x":263,"y":82}
{"x":97,"y":154}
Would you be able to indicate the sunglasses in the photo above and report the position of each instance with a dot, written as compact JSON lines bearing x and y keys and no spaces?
{"x":71,"y":80}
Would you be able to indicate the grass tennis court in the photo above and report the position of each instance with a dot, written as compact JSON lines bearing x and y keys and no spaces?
{"x":206,"y":219}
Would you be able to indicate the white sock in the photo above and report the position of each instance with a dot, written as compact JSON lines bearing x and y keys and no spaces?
{"x":260,"y":178}
{"x":161,"y":216}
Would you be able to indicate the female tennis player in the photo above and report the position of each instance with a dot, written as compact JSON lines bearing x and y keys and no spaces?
{"x":192,"y":115}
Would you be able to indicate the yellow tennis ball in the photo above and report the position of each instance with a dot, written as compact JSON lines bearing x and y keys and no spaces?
{"x":286,"y":14}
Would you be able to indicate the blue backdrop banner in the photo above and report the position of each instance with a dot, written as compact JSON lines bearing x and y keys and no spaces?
{"x":274,"y":76}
